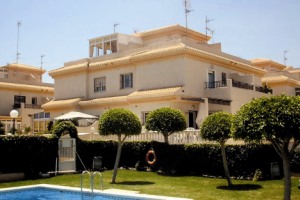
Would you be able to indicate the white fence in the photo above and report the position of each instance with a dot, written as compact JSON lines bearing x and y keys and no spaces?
{"x":183,"y":137}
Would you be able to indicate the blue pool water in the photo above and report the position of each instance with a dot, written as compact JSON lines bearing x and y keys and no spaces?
{"x":40,"y":193}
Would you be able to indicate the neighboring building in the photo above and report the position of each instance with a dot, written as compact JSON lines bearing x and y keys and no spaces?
{"x":22,"y":89}
{"x":280,"y":78}
{"x":170,"y":66}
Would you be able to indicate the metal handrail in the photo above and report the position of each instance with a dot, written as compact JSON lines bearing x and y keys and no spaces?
{"x":92,"y":176}
{"x":85,"y":172}
{"x":215,"y":84}
{"x":101,"y":180}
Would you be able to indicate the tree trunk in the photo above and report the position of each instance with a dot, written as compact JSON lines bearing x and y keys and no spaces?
{"x":287,"y":175}
{"x":113,"y":180}
{"x":166,"y":137}
{"x":225,"y":165}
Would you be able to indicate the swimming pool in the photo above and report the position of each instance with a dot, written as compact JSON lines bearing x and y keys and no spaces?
{"x":52,"y":192}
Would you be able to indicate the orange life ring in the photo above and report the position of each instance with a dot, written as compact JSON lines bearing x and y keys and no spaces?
{"x":152,"y":154}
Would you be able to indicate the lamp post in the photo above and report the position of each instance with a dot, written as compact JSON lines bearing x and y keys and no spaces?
{"x":14,"y":114}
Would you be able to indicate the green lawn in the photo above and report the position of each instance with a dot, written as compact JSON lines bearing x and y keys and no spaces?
{"x":180,"y":186}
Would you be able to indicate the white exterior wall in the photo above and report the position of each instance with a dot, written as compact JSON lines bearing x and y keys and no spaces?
{"x":194,"y":77}
{"x":112,"y":82}
{"x":242,"y":96}
{"x":7,"y":102}
{"x":7,"y":99}
{"x":162,"y":73}
{"x":27,"y":77}
{"x":284,"y":89}
{"x":68,"y":87}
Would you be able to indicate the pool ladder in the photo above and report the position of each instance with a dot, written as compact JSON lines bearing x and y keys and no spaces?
{"x":92,"y":176}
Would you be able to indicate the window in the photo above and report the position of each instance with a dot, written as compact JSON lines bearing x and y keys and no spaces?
{"x":126,"y":81}
{"x":211,"y":79}
{"x":100,"y":84}
{"x":223,"y":79}
{"x":47,"y":115}
{"x":34,"y":101}
{"x":192,"y":119}
{"x":297,"y":91}
{"x":104,"y":45}
{"x":3,"y":73}
{"x":18,"y":100}
{"x":144,"y":117}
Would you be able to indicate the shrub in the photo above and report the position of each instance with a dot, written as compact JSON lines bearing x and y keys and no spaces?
{"x":65,"y":127}
{"x":28,"y":154}
{"x":27,"y":129}
{"x":166,"y":121}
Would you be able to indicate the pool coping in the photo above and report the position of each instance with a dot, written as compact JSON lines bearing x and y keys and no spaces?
{"x":116,"y":192}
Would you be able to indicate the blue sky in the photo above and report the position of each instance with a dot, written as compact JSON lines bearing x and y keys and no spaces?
{"x":60,"y":29}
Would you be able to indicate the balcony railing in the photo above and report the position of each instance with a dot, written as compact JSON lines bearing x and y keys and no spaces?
{"x":263,"y":89}
{"x":238,"y":84}
{"x":215,"y":84}
{"x":242,"y":85}
{"x":32,"y":106}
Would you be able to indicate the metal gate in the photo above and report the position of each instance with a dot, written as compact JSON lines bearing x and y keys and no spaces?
{"x":66,"y":154}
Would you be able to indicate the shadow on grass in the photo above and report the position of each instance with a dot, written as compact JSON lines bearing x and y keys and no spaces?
{"x":135,"y":183}
{"x":240,"y":187}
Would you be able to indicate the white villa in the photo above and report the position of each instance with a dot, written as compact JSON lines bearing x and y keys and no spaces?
{"x":22,"y":89}
{"x":167,"y":67}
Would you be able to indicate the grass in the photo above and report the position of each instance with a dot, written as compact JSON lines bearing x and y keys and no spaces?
{"x":178,"y":186}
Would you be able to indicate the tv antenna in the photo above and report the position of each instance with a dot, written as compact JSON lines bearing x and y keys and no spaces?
{"x":42,"y":56}
{"x":187,"y":10}
{"x":18,"y":53}
{"x":115,"y":25}
{"x":284,"y":57}
{"x":135,"y":30}
{"x":206,"y":27}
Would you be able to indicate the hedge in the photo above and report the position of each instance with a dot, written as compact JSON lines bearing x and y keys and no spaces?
{"x":34,"y":154}
{"x":28,"y":154}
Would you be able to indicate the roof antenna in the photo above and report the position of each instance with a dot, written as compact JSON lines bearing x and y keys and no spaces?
{"x":115,"y":27}
{"x":135,"y":30}
{"x":42,"y":56}
{"x":187,"y":10}
{"x":206,"y":27}
{"x":284,"y":57}
{"x":18,"y":53}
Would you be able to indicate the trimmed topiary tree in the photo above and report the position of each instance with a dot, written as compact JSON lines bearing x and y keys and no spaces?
{"x":277,"y":120}
{"x":166,"y":121}
{"x":65,"y":126}
{"x":119,"y":121}
{"x":217,"y":127}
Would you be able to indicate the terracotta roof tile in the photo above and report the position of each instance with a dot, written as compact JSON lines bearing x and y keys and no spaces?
{"x":26,"y":67}
{"x":25,"y":87}
{"x":102,"y":101}
{"x":154,"y":93}
{"x":280,"y":79}
{"x":61,"y":103}
{"x":72,"y":68}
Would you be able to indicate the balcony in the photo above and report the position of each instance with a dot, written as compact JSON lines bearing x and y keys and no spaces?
{"x":215,"y":84}
{"x":29,"y":106}
{"x":263,"y":90}
{"x":32,"y":106}
{"x":237,"y":84}
{"x":242,"y":85}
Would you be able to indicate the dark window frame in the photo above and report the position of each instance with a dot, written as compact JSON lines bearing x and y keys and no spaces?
{"x":100,"y":84}
{"x":126,"y":80}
